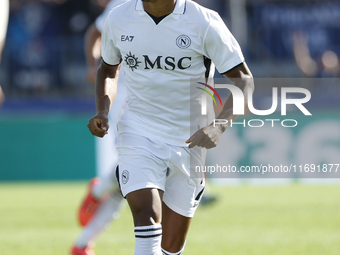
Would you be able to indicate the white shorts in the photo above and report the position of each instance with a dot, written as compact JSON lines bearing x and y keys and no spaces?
{"x":144,"y":163}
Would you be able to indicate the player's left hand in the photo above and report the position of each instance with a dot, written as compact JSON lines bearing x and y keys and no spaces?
{"x":207,"y":137}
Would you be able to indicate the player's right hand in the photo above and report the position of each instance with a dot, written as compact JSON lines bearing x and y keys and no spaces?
{"x":98,"y":125}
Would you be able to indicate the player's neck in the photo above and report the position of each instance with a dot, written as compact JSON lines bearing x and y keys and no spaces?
{"x":159,"y":8}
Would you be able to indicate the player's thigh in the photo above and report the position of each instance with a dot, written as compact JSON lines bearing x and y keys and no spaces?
{"x":146,"y":206}
{"x":175,"y":229}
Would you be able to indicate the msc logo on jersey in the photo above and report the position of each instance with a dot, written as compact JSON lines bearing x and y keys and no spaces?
{"x":132,"y":61}
{"x":183,"y":41}
{"x":159,"y":62}
{"x":125,"y":176}
{"x":167,"y":63}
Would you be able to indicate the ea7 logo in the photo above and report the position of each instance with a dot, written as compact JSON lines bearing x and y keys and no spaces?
{"x":128,"y":38}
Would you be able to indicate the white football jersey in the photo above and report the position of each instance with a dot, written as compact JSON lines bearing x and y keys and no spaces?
{"x":100,"y":20}
{"x":160,"y":60}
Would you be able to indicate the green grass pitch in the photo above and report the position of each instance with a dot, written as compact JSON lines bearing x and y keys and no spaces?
{"x":40,"y":219}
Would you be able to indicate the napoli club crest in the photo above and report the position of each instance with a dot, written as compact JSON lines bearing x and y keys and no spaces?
{"x":183,"y":41}
{"x":125,"y":176}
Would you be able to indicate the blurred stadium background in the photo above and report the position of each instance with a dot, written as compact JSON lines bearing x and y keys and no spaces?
{"x":43,"y":133}
{"x":48,"y":101}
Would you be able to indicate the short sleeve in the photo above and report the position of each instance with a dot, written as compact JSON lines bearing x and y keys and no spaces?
{"x":221,"y":46}
{"x":110,"y":53}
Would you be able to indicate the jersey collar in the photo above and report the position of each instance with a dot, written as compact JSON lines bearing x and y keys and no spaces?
{"x":179,"y":8}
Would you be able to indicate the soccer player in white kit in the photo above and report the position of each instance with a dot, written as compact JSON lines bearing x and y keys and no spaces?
{"x":163,"y":45}
{"x":103,"y":194}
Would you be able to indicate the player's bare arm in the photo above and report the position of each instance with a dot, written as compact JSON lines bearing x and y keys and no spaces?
{"x":91,"y":37}
{"x":208,"y":137}
{"x":106,"y":89}
{"x":2,"y":97}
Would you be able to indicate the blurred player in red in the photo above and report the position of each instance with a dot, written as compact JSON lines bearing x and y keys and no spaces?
{"x":4,"y":12}
{"x":103,"y":199}
{"x":163,"y":46}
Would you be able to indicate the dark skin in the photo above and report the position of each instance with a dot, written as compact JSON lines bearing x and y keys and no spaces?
{"x":146,"y":204}
{"x":159,"y":8}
